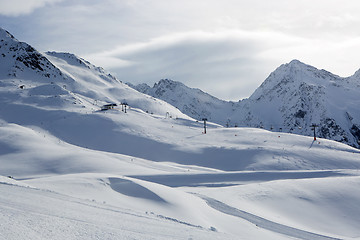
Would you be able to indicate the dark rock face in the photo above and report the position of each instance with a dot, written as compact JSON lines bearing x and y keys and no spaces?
{"x":330,"y":129}
{"x":355,"y":131}
{"x":300,"y":114}
{"x":32,"y":59}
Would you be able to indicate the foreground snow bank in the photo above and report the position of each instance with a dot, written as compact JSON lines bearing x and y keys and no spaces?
{"x":326,"y":206}
{"x":34,"y":214}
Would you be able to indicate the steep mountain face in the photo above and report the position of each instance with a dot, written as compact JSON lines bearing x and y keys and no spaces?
{"x":291,"y":99}
{"x":297,"y":95}
{"x":64,"y":81}
{"x":19,"y":59}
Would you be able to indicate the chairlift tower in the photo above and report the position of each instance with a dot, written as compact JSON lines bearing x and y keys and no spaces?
{"x":123,"y":106}
{"x":204,"y":119}
{"x":313,"y":127}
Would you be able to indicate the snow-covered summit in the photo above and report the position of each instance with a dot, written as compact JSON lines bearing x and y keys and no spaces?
{"x":293,"y":74}
{"x":20,"y":60}
{"x":5,"y":34}
{"x":298,"y":95}
{"x":355,"y":78}
{"x":74,"y":60}
{"x":191,"y":101}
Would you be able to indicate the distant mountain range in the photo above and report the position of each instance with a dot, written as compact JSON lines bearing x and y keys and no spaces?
{"x":293,"y":98}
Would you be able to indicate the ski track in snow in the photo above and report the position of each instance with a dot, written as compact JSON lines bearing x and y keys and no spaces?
{"x":264,"y":223}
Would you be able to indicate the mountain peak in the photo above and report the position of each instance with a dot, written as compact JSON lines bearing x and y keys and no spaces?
{"x":356,"y":75}
{"x":74,"y":60}
{"x":293,"y":75}
{"x":6,"y":35}
{"x":19,"y":59}
{"x":296,"y":62}
{"x":70,"y":58}
{"x":296,"y":65}
{"x":168,"y":82}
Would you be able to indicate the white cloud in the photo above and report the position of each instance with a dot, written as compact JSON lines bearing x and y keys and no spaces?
{"x":227,"y":64}
{"x":225,"y":47}
{"x":22,"y":7}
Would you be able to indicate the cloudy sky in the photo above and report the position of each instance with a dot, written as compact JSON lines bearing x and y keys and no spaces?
{"x":224,"y":47}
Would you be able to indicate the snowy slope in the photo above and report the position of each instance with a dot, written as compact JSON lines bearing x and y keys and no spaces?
{"x":291,"y":99}
{"x":66,"y":81}
{"x":76,"y":172}
{"x":119,"y":186}
{"x":33,"y":213}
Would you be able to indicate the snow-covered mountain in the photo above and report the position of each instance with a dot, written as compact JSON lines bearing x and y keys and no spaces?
{"x":297,"y":95}
{"x":190,"y":101}
{"x":291,"y":99}
{"x":64,"y":80}
{"x":69,"y":170}
{"x":20,"y":60}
